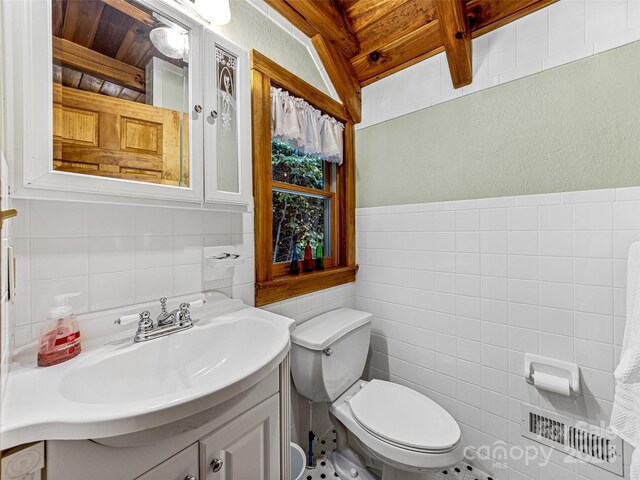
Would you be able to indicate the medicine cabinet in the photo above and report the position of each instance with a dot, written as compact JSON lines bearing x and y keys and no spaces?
{"x":125,"y":99}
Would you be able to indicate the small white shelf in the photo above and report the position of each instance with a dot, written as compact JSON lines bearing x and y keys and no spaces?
{"x":219,"y":262}
{"x":225,"y":260}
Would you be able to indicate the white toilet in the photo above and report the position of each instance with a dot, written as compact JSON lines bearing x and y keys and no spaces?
{"x":383,"y":429}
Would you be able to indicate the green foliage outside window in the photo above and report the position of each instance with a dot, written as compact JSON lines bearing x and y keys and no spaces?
{"x":297,"y":217}
{"x":289,"y":165}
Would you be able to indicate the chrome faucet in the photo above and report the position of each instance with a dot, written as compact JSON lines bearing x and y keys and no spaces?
{"x":166,"y":318}
{"x":166,"y":323}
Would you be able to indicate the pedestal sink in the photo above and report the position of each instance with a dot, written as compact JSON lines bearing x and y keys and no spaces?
{"x":207,"y":357}
{"x":116,"y":387}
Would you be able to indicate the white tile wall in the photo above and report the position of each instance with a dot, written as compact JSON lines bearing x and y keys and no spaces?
{"x":117,"y":255}
{"x":561,"y":33}
{"x":460,"y":290}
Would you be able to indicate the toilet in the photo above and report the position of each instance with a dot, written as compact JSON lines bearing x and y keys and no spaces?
{"x":384,"y":430}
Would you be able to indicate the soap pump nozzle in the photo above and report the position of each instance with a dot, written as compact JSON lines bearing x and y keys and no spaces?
{"x":61,"y":307}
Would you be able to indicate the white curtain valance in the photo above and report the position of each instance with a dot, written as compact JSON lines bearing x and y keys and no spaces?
{"x":304,"y":127}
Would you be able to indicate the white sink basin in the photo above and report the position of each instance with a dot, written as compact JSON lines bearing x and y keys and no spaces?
{"x":116,"y":387}
{"x":212,"y":354}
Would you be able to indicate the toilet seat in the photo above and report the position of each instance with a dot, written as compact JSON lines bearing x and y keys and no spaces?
{"x":394,"y":453}
{"x":404,"y":418}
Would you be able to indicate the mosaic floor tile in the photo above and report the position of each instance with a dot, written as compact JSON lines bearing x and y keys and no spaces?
{"x":323,"y":447}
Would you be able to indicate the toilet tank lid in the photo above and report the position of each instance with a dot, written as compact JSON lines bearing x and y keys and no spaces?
{"x":321,"y":331}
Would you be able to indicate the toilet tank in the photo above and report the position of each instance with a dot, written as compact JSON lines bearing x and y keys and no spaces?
{"x":328,"y":353}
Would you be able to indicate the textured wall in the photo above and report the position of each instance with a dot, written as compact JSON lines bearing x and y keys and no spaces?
{"x":575,"y":127}
{"x":249,"y":28}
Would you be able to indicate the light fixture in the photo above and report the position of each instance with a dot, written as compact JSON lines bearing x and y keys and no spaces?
{"x":169,"y":41}
{"x":216,"y":12}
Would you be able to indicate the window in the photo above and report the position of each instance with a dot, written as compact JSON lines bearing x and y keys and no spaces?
{"x":300,"y":194}
{"x":301,"y":203}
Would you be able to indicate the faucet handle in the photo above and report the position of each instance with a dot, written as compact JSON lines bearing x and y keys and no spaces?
{"x":185,"y":314}
{"x":196,"y":303}
{"x":143,"y":319}
{"x":127,"y":319}
{"x":163,"y":304}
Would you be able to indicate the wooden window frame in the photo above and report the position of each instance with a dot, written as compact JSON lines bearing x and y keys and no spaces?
{"x":273,"y":283}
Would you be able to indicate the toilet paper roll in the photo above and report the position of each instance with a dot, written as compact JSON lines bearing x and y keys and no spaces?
{"x":552,"y":383}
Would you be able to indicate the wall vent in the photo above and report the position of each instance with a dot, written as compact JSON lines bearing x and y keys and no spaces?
{"x":586,"y":442}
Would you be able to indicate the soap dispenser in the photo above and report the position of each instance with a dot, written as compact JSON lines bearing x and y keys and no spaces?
{"x":60,"y":336}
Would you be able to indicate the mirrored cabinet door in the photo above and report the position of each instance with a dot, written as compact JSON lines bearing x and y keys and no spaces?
{"x":121,"y":92}
{"x":110,"y":100}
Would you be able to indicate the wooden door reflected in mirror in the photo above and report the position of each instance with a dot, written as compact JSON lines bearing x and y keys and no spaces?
{"x":120,"y":92}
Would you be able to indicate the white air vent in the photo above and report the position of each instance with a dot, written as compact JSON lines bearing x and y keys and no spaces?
{"x":588,"y":443}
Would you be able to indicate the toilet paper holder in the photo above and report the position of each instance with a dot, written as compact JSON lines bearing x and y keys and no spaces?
{"x":552,"y":367}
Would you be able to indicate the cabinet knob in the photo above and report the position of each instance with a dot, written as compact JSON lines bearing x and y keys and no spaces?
{"x":190,"y":477}
{"x":328,"y":352}
{"x":216,"y":464}
{"x":214,"y":114}
{"x":198,"y":108}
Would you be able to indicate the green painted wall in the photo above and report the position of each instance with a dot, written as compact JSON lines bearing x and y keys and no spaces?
{"x":574,"y":127}
{"x":249,"y":28}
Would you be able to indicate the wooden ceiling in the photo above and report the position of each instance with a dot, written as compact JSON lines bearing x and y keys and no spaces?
{"x":362,"y":41}
{"x":103,"y":46}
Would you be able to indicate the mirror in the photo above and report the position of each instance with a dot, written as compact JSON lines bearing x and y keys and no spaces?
{"x":120,"y":92}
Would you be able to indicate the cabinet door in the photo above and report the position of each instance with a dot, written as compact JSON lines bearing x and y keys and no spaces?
{"x":228,"y":122}
{"x":182,"y":466}
{"x":246,"y":448}
{"x":112,"y":100}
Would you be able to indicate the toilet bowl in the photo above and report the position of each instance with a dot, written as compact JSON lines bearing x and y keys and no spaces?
{"x":382,"y":427}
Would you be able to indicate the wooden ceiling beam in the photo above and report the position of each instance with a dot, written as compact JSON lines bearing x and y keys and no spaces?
{"x":456,"y":37}
{"x":135,"y":46}
{"x":81,"y":22}
{"x":405,"y":17}
{"x":412,"y":48}
{"x":57,"y":17}
{"x":382,"y":37}
{"x":291,"y":14}
{"x":364,"y":13}
{"x":132,"y":11}
{"x":76,"y":56}
{"x":342,"y":76}
{"x":330,"y":22}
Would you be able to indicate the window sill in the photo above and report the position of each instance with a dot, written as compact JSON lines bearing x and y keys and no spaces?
{"x":289,"y":286}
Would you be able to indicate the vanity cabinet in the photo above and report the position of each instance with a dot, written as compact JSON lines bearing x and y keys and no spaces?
{"x":245,"y":448}
{"x":242,"y":433}
{"x":182,"y":466}
{"x":114,"y":101}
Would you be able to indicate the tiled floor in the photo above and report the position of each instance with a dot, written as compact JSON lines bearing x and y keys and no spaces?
{"x":324,"y":469}
{"x":461,"y":471}
{"x":322,"y":448}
